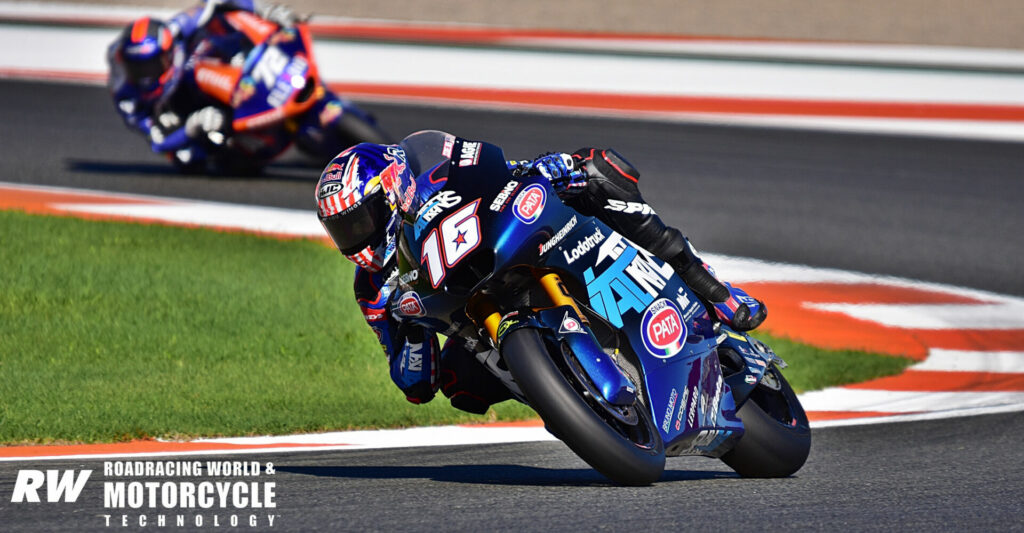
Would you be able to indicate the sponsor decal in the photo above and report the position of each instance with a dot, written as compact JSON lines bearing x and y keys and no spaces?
{"x":682,"y":409}
{"x":692,"y":412}
{"x":292,"y":79}
{"x":505,"y":324}
{"x":246,"y":88}
{"x":570,"y":325}
{"x":433,"y":207}
{"x":755,"y":362}
{"x":631,"y":283}
{"x":470,"y":154}
{"x":629,"y":208}
{"x":379,"y":333}
{"x":330,"y":112}
{"x":213,"y":78}
{"x":583,"y":247}
{"x":715,"y":403}
{"x":530,"y":204}
{"x":330,"y":188}
{"x":694,"y":308}
{"x":263,"y":119}
{"x":500,"y":201}
{"x":449,"y":144}
{"x":559,"y":235}
{"x":409,"y":277}
{"x":669,"y":409}
{"x":410,"y":305}
{"x":662,"y":329}
{"x":349,"y":194}
{"x":414,"y":354}
{"x":281,"y":37}
{"x":390,"y":179}
{"x":395,"y":153}
{"x":373,"y":315}
{"x":749,"y":379}
{"x":141,"y":49}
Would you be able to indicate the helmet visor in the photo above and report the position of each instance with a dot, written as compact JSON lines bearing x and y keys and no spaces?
{"x":362,"y":226}
{"x":147,"y":71}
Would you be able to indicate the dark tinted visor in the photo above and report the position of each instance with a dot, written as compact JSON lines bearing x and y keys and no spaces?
{"x":363,"y":226}
{"x":148,"y":70}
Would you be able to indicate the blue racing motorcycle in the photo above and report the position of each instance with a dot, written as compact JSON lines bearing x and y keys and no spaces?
{"x":616,"y":354}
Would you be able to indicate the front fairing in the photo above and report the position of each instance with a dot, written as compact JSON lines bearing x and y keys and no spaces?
{"x":503,"y":221}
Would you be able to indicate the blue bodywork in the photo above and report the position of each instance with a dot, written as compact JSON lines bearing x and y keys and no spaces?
{"x":661,"y":320}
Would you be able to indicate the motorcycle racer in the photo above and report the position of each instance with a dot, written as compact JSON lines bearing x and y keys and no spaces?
{"x":359,"y":206}
{"x":152,"y":80}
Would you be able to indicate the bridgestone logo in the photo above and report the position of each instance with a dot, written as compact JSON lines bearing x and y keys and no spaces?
{"x":583,"y":247}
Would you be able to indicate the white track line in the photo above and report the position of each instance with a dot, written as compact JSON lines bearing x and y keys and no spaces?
{"x":1009,"y":315}
{"x":965,"y":361}
{"x":846,"y":399}
{"x":252,"y":218}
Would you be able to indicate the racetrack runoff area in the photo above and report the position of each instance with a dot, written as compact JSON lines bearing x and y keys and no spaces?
{"x":969,"y":344}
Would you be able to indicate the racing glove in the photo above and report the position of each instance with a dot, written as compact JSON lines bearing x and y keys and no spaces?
{"x":414,"y":368}
{"x":568,"y":178}
{"x":208,"y":121}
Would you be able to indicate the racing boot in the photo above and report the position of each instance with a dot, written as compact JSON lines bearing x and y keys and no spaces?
{"x":732,"y":304}
{"x":612,"y":194}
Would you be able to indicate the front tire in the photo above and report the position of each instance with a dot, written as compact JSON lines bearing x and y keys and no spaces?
{"x":777,"y":439}
{"x":573,"y":420}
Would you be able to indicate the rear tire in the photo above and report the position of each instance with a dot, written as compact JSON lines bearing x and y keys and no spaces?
{"x":573,"y":420}
{"x":777,"y":439}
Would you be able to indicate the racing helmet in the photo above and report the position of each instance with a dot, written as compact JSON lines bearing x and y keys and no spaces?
{"x":147,"y":54}
{"x":356,"y":202}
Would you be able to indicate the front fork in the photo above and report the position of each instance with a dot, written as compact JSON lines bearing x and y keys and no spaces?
{"x":486,"y":314}
{"x":565,"y":323}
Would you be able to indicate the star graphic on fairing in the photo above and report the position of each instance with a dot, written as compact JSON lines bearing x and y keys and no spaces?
{"x":459,"y":239}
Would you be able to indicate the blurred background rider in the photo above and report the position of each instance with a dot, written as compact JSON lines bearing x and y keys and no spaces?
{"x":150,"y":76}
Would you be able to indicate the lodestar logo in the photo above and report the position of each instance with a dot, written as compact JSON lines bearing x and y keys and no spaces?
{"x":66,"y":486}
{"x":583,"y":247}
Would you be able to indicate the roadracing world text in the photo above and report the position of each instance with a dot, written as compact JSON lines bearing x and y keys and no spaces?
{"x":152,"y":494}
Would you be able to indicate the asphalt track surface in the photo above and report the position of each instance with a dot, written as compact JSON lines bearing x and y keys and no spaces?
{"x":936,"y":210}
{"x":947,"y":475}
{"x":948,"y":211}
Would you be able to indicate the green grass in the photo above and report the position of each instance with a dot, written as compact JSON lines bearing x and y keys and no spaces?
{"x":113,"y":331}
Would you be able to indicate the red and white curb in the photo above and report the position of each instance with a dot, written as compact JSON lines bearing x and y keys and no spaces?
{"x":388,"y":61}
{"x":970,"y":343}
